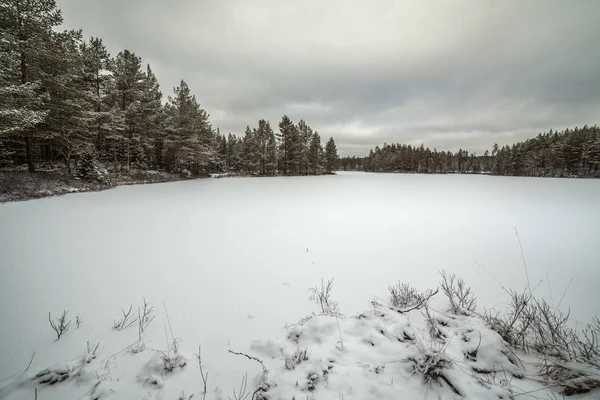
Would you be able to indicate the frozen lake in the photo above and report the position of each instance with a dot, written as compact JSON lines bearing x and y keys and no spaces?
{"x":232,"y":258}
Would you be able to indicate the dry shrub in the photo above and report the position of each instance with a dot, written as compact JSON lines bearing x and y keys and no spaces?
{"x":461,"y":297}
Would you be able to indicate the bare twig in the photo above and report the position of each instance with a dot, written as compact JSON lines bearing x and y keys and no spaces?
{"x":241,"y":395}
{"x":145,"y":317}
{"x":30,"y":361}
{"x":549,"y":289}
{"x":126,"y":321}
{"x":565,"y":292}
{"x":490,"y":274}
{"x":340,"y":331}
{"x":249,"y":357}
{"x":263,"y":386}
{"x":422,"y":302}
{"x":523,"y":257}
{"x":171,"y":329}
{"x":204,"y":377}
{"x":61,"y":325}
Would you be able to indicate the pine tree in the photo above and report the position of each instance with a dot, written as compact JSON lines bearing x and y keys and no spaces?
{"x":150,"y":122}
{"x":27,"y":33}
{"x":304,"y":138}
{"x":286,"y":134}
{"x":87,"y":167}
{"x":190,"y":136}
{"x":96,"y":67}
{"x":271,"y":151}
{"x":261,"y":138}
{"x":331,"y":156}
{"x":222,"y":151}
{"x":315,"y":155}
{"x":251,"y":151}
{"x":235,"y":148}
{"x":70,"y":99}
{"x":128,"y":87}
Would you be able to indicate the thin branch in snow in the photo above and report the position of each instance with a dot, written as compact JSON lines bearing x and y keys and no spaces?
{"x":30,"y":361}
{"x":204,"y":376}
{"x":61,"y":325}
{"x":523,"y":257}
{"x":126,"y":321}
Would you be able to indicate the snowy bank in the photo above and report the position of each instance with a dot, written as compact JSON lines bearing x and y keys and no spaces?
{"x":18,"y":185}
{"x":403,"y":348}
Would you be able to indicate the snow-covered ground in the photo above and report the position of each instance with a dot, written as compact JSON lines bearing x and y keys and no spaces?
{"x":232,"y":260}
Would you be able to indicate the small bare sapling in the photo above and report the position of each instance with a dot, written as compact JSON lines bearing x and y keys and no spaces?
{"x":145,"y":317}
{"x":60,"y":324}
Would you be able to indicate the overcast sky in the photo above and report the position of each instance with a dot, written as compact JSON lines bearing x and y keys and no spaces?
{"x":448,"y":74}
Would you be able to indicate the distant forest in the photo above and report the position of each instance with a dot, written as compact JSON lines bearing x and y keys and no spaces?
{"x":65,"y":101}
{"x":569,"y":153}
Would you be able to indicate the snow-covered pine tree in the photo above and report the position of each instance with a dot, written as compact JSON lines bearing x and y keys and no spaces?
{"x":126,"y":103}
{"x":98,"y":76}
{"x":331,"y":156}
{"x":150,"y":132}
{"x":190,"y":136}
{"x":271,"y":151}
{"x":87,"y":167}
{"x":234,"y":152}
{"x":315,"y":150}
{"x":70,"y":104}
{"x":222,"y":150}
{"x":304,"y":136}
{"x":286,"y":134}
{"x":26,"y":28}
{"x":251,"y":151}
{"x":262,"y":138}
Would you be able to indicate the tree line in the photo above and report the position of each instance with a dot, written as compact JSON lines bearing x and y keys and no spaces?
{"x":65,"y":99}
{"x":568,"y":153}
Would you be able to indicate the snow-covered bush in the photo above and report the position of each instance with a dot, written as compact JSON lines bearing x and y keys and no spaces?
{"x":405,"y":296}
{"x":432,"y":366}
{"x":568,"y":356}
{"x":461,"y":297}
{"x":89,"y":168}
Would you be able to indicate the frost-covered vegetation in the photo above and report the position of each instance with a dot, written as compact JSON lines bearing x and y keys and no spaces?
{"x":18,"y":184}
{"x":530,"y":350}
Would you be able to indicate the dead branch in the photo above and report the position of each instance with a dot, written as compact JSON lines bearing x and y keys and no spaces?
{"x":204,"y":377}
{"x":422,"y":301}
{"x":126,"y":321}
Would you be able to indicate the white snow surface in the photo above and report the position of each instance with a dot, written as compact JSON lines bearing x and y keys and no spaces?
{"x":232,"y":260}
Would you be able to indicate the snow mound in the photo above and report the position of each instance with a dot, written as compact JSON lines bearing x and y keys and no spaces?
{"x":389,"y":354}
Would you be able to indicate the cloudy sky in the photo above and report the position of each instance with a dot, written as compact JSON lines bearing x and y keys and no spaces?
{"x":448,"y":74}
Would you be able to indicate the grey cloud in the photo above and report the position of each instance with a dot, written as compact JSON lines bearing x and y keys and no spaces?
{"x":451,"y":75}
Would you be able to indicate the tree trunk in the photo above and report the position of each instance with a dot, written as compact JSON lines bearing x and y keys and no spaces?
{"x":29,"y":153}
{"x":67,"y":168}
{"x":100,"y":142}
